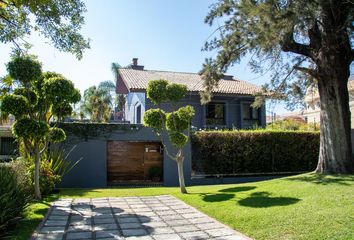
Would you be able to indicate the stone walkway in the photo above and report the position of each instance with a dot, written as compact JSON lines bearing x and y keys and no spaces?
{"x":130,"y":218}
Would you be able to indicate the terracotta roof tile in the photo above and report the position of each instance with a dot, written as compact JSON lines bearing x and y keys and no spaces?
{"x":136,"y":80}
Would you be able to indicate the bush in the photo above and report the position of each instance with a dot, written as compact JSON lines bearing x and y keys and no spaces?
{"x":155,"y":173}
{"x":14,"y":194}
{"x":48,"y":178}
{"x":243,"y":152}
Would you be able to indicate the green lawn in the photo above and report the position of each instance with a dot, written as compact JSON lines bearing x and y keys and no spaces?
{"x":307,"y":206}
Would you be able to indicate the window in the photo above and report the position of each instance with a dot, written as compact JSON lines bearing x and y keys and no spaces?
{"x":138,"y":114}
{"x":250,"y":113}
{"x":215,"y":114}
{"x":8,"y":146}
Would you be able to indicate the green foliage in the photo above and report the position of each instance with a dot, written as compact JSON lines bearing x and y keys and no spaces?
{"x":237,"y":152}
{"x":175,"y":92}
{"x":24,"y":68}
{"x":59,"y":161}
{"x":57,"y":89}
{"x":29,"y":94}
{"x":284,"y":37}
{"x":180,"y":120}
{"x":16,"y":105}
{"x":57,"y":20}
{"x":56,"y":135}
{"x":63,"y":109}
{"x":155,"y":118}
{"x":293,"y":124}
{"x":97,"y":102}
{"x":178,"y":139}
{"x":30,"y":129}
{"x":85,"y":131}
{"x":48,"y":178}
{"x":155,"y":173}
{"x":14,"y":195}
{"x":156,"y":91}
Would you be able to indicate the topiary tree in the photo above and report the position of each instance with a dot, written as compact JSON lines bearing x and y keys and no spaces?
{"x":175,"y":124}
{"x":38,"y":98}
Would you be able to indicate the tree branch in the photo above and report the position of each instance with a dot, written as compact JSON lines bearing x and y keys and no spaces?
{"x":308,"y":71}
{"x":289,"y":45}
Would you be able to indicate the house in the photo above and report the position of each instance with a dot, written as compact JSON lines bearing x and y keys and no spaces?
{"x":230,"y":106}
{"x":312,"y":99}
{"x":8,"y":144}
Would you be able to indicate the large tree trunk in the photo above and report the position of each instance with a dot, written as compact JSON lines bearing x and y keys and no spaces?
{"x":335,"y":141}
{"x":180,"y":160}
{"x":37,"y":190}
{"x":332,"y":54}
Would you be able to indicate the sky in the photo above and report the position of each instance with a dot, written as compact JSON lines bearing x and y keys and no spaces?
{"x":163,"y":34}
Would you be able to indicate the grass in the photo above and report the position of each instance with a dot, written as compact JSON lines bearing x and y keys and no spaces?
{"x":307,"y":206}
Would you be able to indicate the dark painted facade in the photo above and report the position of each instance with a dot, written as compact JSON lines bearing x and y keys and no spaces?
{"x":91,"y":171}
{"x":234,"y":110}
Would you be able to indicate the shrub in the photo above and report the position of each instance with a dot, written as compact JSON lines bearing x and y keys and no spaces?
{"x":48,"y":178}
{"x":155,"y":173}
{"x":235,"y":152}
{"x":14,"y":194}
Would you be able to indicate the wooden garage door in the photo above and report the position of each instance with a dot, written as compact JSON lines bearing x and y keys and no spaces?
{"x":131,"y":161}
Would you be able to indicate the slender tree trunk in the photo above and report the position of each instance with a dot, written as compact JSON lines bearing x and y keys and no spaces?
{"x":335,"y":141}
{"x":37,"y":190}
{"x":180,"y":160}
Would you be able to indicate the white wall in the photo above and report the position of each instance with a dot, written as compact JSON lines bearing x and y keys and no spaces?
{"x":133,"y":101}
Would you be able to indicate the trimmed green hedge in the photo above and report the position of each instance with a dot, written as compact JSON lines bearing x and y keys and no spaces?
{"x":244,"y":152}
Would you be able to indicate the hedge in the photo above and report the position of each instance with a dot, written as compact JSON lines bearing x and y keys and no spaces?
{"x":248,"y":152}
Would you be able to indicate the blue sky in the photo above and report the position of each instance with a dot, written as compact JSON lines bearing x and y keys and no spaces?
{"x":164,"y":35}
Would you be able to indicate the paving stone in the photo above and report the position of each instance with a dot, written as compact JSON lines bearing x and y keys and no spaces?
{"x":52,"y":230}
{"x":205,"y":226}
{"x":160,"y":230}
{"x":109,"y":234}
{"x":171,"y":217}
{"x":185,"y":228}
{"x":149,"y":214}
{"x":78,"y":235}
{"x":130,"y":225}
{"x":139,"y":238}
{"x":105,"y":227}
{"x":142,"y":210}
{"x":55,"y":236}
{"x":155,"y":224}
{"x":198,"y":235}
{"x":58,"y":218}
{"x":177,"y":222}
{"x":168,"y":212}
{"x":219,"y":232}
{"x":80,"y":227}
{"x":86,"y":221}
{"x":150,"y":219}
{"x":104,"y":220}
{"x":57,"y":223}
{"x":134,"y":232}
{"x":139,"y":218}
{"x":192,"y":215}
{"x":200,"y":220}
{"x":159,"y":208}
{"x":128,"y":220}
{"x":233,"y":237}
{"x":167,"y":236}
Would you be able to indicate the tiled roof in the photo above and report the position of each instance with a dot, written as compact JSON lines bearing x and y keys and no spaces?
{"x":137,"y":80}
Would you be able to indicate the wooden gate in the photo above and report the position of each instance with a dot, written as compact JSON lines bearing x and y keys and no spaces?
{"x":131,"y":161}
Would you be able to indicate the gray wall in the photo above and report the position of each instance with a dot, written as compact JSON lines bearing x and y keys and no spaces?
{"x":91,"y":171}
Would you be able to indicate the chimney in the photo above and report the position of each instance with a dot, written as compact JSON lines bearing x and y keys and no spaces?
{"x":135,"y":65}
